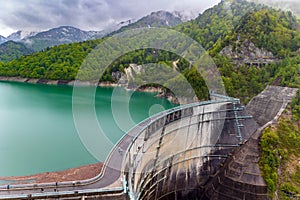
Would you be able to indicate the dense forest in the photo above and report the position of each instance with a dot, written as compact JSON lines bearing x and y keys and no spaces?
{"x":12,"y":50}
{"x":280,"y":154}
{"x":265,"y":27}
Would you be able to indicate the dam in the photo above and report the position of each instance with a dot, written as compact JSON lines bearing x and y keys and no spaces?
{"x":205,"y":150}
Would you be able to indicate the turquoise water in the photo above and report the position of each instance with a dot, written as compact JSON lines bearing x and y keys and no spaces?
{"x":38,"y":133}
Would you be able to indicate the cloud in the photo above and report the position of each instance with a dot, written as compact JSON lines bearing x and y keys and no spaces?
{"x":85,"y":14}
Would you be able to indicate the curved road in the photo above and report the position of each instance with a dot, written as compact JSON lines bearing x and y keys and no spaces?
{"x":110,"y":174}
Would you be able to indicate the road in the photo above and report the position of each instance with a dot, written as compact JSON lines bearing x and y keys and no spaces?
{"x":110,"y":176}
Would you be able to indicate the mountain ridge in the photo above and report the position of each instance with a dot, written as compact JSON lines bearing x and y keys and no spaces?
{"x":68,"y":34}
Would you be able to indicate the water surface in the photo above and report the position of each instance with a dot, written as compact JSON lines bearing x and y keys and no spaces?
{"x":37,"y":131}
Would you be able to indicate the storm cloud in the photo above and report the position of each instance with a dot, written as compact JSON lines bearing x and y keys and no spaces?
{"x":85,"y":14}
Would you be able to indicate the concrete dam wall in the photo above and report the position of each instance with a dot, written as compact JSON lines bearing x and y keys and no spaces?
{"x":174,"y":157}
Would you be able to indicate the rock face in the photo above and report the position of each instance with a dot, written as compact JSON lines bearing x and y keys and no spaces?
{"x":132,"y":70}
{"x":247,"y":53}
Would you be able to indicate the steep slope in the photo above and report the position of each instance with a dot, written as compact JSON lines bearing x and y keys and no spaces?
{"x":286,"y":5}
{"x":270,"y":29}
{"x":217,"y":21}
{"x":68,"y":34}
{"x":60,"y":35}
{"x":2,"y":39}
{"x":32,"y":41}
{"x":12,"y":50}
{"x":19,"y":35}
{"x":56,"y":63}
{"x":155,"y":19}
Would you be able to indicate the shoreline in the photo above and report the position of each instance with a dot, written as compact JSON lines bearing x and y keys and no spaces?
{"x":72,"y":174}
{"x":80,"y":83}
{"x":151,"y":89}
{"x":54,"y":82}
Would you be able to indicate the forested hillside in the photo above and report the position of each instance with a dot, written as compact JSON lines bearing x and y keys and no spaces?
{"x":267,"y":28}
{"x":13,"y":50}
{"x":217,"y":22}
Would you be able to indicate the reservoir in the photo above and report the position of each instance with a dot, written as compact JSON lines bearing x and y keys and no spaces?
{"x":37,"y":129}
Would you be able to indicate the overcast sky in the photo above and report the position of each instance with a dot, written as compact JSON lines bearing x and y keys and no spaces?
{"x":37,"y":15}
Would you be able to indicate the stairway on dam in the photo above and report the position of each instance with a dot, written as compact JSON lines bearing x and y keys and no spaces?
{"x":240,"y":176}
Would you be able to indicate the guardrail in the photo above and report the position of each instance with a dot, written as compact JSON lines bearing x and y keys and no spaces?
{"x":151,"y":120}
{"x":63,"y":193}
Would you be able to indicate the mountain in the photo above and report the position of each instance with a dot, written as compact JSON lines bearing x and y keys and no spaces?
{"x":265,"y":29}
{"x":185,"y":16}
{"x":67,"y":34}
{"x":217,"y":21}
{"x":155,"y":19}
{"x":2,"y":39}
{"x":64,"y":34}
{"x":60,"y":35}
{"x":286,"y":5}
{"x":27,"y":42}
{"x":12,"y":50}
{"x":19,"y":35}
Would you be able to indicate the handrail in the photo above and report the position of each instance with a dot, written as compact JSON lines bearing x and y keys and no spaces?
{"x":61,"y":193}
{"x":165,"y":113}
{"x":160,"y":116}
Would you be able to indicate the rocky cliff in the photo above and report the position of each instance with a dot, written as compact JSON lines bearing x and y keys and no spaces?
{"x":245,"y":52}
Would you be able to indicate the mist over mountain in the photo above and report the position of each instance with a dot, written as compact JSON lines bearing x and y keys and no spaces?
{"x":155,"y":19}
{"x":20,"y":35}
{"x":36,"y":41}
{"x":287,"y":5}
{"x":2,"y":39}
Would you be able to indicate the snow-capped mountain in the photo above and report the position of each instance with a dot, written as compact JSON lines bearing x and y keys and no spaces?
{"x":20,"y":35}
{"x":67,"y":34}
{"x":59,"y":35}
{"x":36,"y":41}
{"x":155,"y":19}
